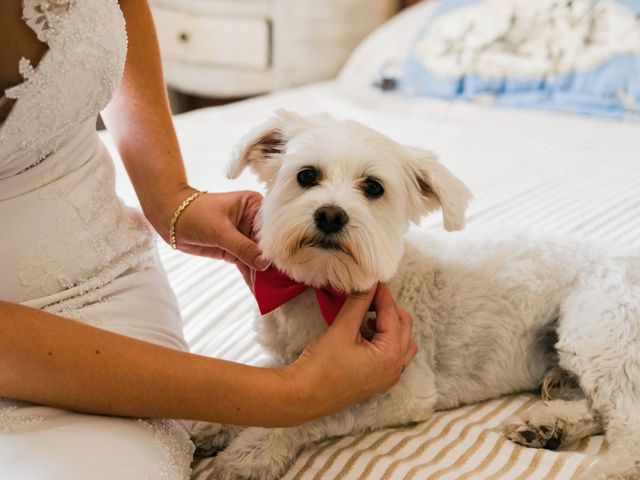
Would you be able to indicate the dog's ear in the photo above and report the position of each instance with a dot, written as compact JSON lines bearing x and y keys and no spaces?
{"x":437,"y":188}
{"x":263,"y":147}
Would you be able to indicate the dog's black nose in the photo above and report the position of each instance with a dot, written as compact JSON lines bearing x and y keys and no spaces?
{"x":330,"y":218}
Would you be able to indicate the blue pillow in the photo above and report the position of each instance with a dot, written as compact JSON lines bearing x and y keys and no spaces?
{"x":580,"y":56}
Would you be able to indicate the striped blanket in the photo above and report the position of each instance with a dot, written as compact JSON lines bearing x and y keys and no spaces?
{"x":463,"y":444}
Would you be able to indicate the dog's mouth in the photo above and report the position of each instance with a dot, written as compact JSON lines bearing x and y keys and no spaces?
{"x":324,"y":242}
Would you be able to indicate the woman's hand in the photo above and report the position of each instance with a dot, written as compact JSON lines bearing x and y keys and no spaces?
{"x":220,"y":225}
{"x":342,"y":368}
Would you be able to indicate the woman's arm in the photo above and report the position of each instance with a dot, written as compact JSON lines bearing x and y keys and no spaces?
{"x":51,"y":360}
{"x":63,"y":363}
{"x":138,"y":118}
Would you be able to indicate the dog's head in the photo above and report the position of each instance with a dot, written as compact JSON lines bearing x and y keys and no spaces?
{"x":340,"y":197}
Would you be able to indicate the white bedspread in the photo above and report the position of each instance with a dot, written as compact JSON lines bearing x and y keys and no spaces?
{"x":533,"y":170}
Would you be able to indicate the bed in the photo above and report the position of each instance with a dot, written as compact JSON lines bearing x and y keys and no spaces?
{"x":537,"y":170}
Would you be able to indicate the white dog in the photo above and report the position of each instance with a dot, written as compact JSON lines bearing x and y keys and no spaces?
{"x":492,"y":315}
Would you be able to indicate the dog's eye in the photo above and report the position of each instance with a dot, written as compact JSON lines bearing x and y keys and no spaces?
{"x":308,"y":177}
{"x":373,"y":189}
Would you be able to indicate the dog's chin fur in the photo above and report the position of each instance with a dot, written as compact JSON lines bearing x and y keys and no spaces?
{"x":336,"y":263}
{"x":321,"y":261}
{"x":320,"y":267}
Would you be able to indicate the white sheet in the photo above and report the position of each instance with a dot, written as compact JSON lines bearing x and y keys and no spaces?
{"x":533,"y":170}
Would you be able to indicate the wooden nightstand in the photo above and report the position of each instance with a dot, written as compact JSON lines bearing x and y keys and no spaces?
{"x":238,"y":48}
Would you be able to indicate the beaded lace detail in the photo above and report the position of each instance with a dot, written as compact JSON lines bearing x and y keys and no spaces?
{"x":74,"y":80}
{"x":45,"y":17}
{"x":95,"y":232}
{"x":174,"y":439}
{"x":11,"y":418}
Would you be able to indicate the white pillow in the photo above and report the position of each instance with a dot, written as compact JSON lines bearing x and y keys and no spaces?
{"x":385,"y":49}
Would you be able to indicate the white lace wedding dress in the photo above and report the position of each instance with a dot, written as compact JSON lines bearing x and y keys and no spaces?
{"x":70,"y":247}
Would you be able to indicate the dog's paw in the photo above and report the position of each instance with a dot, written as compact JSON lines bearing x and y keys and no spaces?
{"x":535,"y":429}
{"x":210,"y":438}
{"x":217,"y":469}
{"x":255,"y":454}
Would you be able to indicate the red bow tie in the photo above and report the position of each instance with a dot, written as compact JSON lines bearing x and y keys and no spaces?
{"x":273,"y":289}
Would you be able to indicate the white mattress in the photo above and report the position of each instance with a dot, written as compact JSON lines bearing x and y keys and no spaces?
{"x":530,"y":170}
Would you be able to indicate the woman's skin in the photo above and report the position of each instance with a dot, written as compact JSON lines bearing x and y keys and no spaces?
{"x":55,"y":361}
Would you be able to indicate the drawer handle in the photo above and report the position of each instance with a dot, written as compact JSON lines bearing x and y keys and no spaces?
{"x":184,"y":37}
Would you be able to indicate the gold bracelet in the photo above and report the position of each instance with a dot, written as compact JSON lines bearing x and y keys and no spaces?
{"x":176,"y":215}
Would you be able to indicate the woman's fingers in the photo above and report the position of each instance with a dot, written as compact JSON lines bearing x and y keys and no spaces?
{"x":223,"y":221}
{"x":248,"y":213}
{"x":247,"y":273}
{"x":387,"y":321}
{"x":393,"y":325}
{"x":411,"y":352}
{"x":220,"y":254}
{"x":243,"y":248}
{"x":353,"y":311}
{"x":351,"y":367}
{"x":409,"y":346}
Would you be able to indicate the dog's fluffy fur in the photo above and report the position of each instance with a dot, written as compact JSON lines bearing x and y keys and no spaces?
{"x":493,"y":313}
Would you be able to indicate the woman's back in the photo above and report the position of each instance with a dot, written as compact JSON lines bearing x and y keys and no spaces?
{"x":23,"y":41}
{"x":64,"y":64}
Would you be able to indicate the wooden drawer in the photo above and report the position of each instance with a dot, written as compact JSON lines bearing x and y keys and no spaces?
{"x":224,"y":42}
